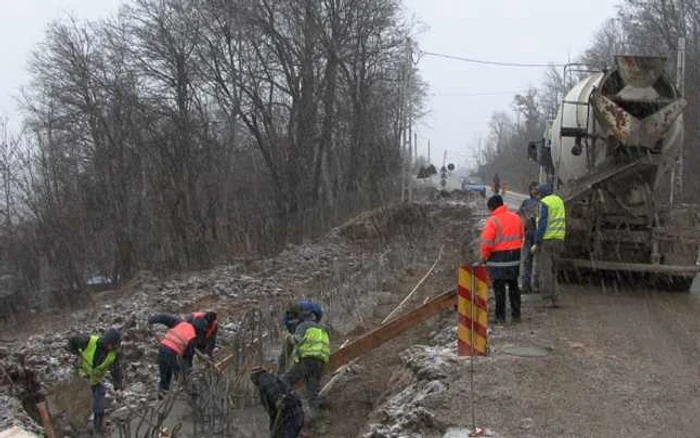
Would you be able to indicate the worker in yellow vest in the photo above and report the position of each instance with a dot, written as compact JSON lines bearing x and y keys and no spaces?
{"x":549,"y":241}
{"x":312,"y":352}
{"x":292,"y":318}
{"x":97,"y":356}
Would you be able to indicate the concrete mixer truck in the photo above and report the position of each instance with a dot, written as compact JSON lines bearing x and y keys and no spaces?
{"x":608,"y":153}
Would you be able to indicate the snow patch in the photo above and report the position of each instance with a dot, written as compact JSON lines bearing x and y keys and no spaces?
{"x":463,"y":432}
{"x":12,"y":414}
{"x":404,"y":414}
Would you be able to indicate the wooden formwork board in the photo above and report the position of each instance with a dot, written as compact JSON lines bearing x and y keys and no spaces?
{"x":391,"y":329}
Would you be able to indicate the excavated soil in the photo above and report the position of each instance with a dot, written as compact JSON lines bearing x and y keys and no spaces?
{"x":391,"y":267}
{"x":359,"y":272}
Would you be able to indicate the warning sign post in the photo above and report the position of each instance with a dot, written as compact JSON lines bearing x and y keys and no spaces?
{"x":472,"y":303}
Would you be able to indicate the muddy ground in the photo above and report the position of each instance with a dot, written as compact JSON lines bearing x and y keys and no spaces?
{"x":619,"y":362}
{"x":359,"y":272}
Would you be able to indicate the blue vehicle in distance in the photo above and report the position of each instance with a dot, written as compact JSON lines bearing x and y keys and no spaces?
{"x":474,"y":184}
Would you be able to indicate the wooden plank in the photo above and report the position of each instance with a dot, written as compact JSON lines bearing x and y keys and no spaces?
{"x":381,"y":334}
{"x":393,"y":328}
{"x":46,"y":419}
{"x":223,"y":363}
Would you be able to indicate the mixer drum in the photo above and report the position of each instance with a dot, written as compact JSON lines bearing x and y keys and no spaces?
{"x":615,"y":117}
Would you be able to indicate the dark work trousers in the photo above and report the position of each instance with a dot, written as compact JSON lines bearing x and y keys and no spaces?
{"x":169,"y":366}
{"x":499,"y":289}
{"x":98,"y":407}
{"x":528,"y":274}
{"x":289,"y":423}
{"x":309,"y":371}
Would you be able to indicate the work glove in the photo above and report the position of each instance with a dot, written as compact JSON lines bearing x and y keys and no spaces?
{"x":534,"y":249}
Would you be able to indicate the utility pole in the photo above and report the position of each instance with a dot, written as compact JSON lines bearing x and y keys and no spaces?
{"x":406,"y":122}
{"x":677,"y":171}
{"x":402,"y":133}
{"x":6,"y":153}
{"x":429,"y":151}
{"x":412,"y":156}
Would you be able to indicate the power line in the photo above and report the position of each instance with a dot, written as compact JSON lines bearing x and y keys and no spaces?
{"x":483,"y":62}
{"x":467,"y":94}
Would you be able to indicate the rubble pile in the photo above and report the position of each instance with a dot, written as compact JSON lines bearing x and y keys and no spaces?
{"x":384,"y":223}
{"x":19,"y":391}
{"x":12,"y":413}
{"x":425,"y":376}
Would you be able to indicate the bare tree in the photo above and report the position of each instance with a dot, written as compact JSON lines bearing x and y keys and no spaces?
{"x":180,"y":133}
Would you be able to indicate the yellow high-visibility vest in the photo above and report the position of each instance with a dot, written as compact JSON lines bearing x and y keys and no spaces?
{"x":87,"y":363}
{"x":316,"y":344}
{"x":556,"y":218}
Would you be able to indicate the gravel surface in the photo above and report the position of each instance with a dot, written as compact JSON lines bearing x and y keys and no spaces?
{"x":624,"y":363}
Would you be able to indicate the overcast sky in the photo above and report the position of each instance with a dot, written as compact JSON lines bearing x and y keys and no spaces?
{"x":532,"y":31}
{"x":22,"y":25}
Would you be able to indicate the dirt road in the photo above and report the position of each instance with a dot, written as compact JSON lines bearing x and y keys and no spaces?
{"x":623,"y":363}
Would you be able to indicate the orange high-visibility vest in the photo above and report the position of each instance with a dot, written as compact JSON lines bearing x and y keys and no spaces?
{"x":503,"y":232}
{"x":179,"y":337}
{"x":211,"y":331}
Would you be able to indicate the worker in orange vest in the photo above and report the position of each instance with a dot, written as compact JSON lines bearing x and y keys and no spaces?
{"x":501,"y":242}
{"x":177,"y":347}
{"x":211,"y":331}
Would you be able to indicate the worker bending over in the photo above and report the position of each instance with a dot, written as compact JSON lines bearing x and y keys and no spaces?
{"x":177,"y":347}
{"x":211,"y":331}
{"x":291,"y":319}
{"x":501,"y":242}
{"x":549,"y":242}
{"x":282,"y":404}
{"x":312,"y":349}
{"x":98,"y":355}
